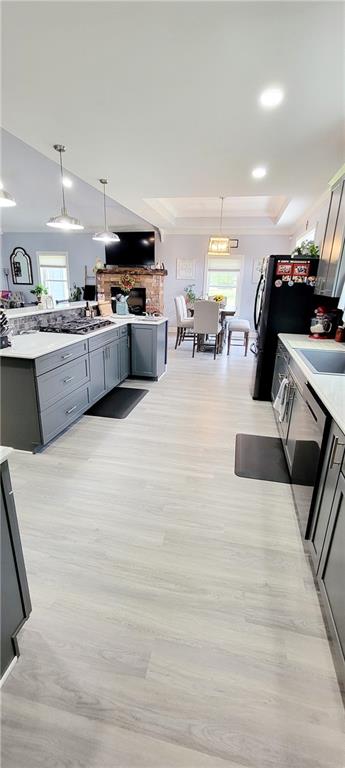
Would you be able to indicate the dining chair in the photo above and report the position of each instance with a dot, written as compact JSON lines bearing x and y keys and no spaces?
{"x":183,"y":322}
{"x":206,"y":323}
{"x":237,"y":324}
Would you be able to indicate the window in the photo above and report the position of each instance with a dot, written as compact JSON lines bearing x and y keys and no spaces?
{"x":53,"y":272}
{"x":223,"y":277}
{"x":308,"y":237}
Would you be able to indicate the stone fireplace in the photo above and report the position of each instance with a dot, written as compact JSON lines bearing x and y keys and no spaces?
{"x":152,"y":280}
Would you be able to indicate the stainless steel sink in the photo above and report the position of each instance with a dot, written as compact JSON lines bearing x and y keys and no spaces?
{"x":324,"y":360}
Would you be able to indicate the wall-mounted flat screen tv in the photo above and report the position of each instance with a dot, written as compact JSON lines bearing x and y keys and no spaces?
{"x":134,"y":249}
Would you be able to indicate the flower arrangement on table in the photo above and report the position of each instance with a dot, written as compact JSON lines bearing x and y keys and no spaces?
{"x":219,"y":298}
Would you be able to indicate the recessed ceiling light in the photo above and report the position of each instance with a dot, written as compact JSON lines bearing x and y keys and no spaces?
{"x":68,"y":183}
{"x":271,"y":97}
{"x":259,"y":172}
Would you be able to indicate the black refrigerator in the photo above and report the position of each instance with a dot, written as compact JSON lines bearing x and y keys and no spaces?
{"x":284,"y":303}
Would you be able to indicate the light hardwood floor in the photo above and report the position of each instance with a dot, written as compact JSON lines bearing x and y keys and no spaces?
{"x":175,"y":622}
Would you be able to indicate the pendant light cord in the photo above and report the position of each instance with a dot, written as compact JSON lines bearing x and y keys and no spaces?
{"x":105,"y":207}
{"x":221,"y":215}
{"x":62,"y":186}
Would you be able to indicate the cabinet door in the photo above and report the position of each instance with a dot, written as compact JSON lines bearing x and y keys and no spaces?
{"x":322,"y":283}
{"x":332,"y":566}
{"x":112,"y":365}
{"x":124,"y":357}
{"x":143,"y":350}
{"x":337,"y":248}
{"x":328,"y":483}
{"x":97,"y":374}
{"x":15,"y":598}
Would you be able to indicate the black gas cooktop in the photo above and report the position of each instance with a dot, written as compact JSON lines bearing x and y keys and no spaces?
{"x":81,"y":326}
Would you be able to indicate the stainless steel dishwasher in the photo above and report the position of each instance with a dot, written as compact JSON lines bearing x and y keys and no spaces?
{"x":304,"y":443}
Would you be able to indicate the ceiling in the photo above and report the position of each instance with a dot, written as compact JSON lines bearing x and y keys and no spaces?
{"x":34,"y":182}
{"x":163,"y":99}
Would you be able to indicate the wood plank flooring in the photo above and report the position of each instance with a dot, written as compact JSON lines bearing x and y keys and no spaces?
{"x":175,"y":622}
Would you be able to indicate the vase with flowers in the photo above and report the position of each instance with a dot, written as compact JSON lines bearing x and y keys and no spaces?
{"x":127,"y":282}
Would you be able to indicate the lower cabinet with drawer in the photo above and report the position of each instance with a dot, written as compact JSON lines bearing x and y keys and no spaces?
{"x":54,"y":385}
{"x":60,"y":415}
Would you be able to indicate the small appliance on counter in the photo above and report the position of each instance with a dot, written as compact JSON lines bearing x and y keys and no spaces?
{"x":321,"y":325}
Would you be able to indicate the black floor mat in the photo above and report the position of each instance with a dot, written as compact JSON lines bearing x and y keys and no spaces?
{"x":118,"y":403}
{"x":260,"y":458}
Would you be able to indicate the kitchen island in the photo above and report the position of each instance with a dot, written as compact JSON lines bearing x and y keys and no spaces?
{"x":50,"y":379}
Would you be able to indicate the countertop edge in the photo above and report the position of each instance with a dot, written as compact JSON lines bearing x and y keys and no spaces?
{"x":330,"y":388}
{"x":69,"y":339}
{"x":5,"y":452}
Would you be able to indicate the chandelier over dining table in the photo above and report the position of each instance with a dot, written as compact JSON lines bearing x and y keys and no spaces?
{"x":219,"y":245}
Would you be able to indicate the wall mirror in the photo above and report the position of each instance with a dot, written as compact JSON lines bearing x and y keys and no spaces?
{"x":21,"y":267}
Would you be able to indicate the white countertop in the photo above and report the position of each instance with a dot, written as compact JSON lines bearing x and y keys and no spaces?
{"x":35,"y":309}
{"x":4,"y":453}
{"x":330,"y":387}
{"x":29,"y":346}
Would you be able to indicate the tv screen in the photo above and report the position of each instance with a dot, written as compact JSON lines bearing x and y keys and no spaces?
{"x":135,"y":249}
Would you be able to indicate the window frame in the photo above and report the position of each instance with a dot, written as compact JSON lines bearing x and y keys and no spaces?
{"x":240,"y":270}
{"x":57,"y":253}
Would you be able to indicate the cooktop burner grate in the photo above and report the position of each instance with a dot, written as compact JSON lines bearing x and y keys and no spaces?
{"x":81,"y":326}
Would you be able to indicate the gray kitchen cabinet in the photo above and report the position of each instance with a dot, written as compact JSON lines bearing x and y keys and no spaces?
{"x":124,"y":357}
{"x":97,"y":374}
{"x":61,"y":357}
{"x":60,"y":415}
{"x":331,"y":268}
{"x":111,"y":365}
{"x":334,"y":454}
{"x":54,"y":385}
{"x":15,"y":597}
{"x":148,"y":350}
{"x":331,"y":573}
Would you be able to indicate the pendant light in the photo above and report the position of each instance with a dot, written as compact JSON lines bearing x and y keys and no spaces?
{"x":106,"y":236}
{"x":63,"y":220}
{"x":6,"y":200}
{"x":219,"y":245}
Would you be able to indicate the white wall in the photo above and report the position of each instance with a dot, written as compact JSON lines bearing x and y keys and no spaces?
{"x":80,"y":247}
{"x":251,"y":247}
{"x":83,"y":250}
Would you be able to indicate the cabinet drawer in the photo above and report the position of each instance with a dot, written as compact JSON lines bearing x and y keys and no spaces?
{"x":103,"y":338}
{"x":64,"y":355}
{"x":124,"y":330}
{"x":54,"y":385}
{"x":63,"y":413}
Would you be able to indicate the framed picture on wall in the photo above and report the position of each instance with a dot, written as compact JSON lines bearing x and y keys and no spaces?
{"x":185,"y":269}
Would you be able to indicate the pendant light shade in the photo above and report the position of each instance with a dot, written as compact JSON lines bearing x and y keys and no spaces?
{"x":6,"y":200}
{"x":105,"y":236}
{"x":219,"y":245}
{"x":63,"y":221}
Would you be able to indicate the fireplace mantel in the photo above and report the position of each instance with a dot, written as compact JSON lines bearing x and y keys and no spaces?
{"x":150,"y":279}
{"x":132,"y":271}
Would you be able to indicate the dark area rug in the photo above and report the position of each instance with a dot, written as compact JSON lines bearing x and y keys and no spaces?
{"x":118,"y":403}
{"x":260,"y":458}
